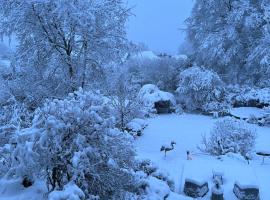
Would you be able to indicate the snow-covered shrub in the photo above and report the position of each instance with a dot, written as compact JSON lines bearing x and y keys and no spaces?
{"x":220,"y":108}
{"x":136,"y":126}
{"x":251,"y":97}
{"x":4,"y":91}
{"x":230,"y":136}
{"x":199,"y":87}
{"x":70,"y":192}
{"x":151,"y":170}
{"x":150,"y":95}
{"x":74,"y":139}
{"x":14,"y":116}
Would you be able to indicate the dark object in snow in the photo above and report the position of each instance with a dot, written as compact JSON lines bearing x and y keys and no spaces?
{"x":26,"y":182}
{"x":168,"y":148}
{"x":217,"y":191}
{"x":246,"y":192}
{"x":163,"y":107}
{"x":195,"y":189}
{"x":249,"y":103}
{"x":189,"y":155}
{"x":263,"y":154}
{"x":217,"y":196}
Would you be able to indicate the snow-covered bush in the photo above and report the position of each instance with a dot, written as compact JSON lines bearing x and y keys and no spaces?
{"x":150,"y":94}
{"x":230,"y":136}
{"x":70,"y":192}
{"x":74,"y":139}
{"x":251,"y":97}
{"x":14,"y":116}
{"x":199,"y":87}
{"x":220,"y":108}
{"x":136,"y":126}
{"x":155,"y":184}
{"x":151,"y":170}
{"x":4,"y":91}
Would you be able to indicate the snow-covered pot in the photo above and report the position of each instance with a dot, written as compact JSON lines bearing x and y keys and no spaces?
{"x":217,"y":193}
{"x":195,"y":189}
{"x":248,"y":192}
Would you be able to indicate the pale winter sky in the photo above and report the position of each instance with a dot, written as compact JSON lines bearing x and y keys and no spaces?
{"x":157,"y":23}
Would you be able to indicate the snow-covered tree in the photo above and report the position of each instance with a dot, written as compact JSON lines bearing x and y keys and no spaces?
{"x":230,"y":136}
{"x":231,"y":36}
{"x":123,"y":98}
{"x":62,"y":42}
{"x":147,"y":68}
{"x":74,"y":139}
{"x":199,"y":87}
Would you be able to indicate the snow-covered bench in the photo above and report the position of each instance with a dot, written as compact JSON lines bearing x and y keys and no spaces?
{"x":246,"y":192}
{"x":195,"y":188}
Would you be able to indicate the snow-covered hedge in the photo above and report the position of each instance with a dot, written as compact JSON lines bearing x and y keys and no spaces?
{"x":74,"y":139}
{"x":156,"y":183}
{"x":230,"y":136}
{"x":250,"y":97}
{"x":199,"y":87}
{"x":150,"y":94}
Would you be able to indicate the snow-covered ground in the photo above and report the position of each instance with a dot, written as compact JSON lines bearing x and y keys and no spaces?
{"x":14,"y":190}
{"x":187,"y":130}
{"x":246,"y":112}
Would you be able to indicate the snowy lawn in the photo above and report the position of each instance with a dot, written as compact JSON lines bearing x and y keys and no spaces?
{"x":14,"y":190}
{"x":246,"y":112}
{"x":187,"y":130}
